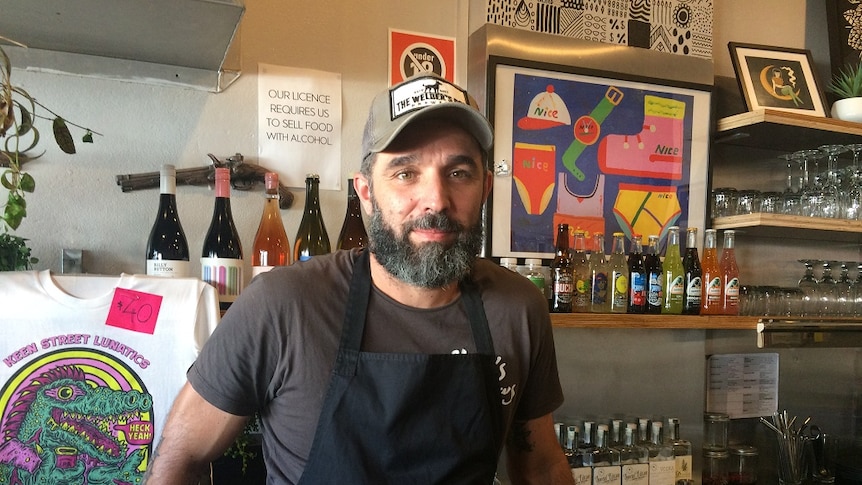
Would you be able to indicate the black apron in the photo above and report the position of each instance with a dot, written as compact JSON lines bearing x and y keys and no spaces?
{"x":408,"y":418}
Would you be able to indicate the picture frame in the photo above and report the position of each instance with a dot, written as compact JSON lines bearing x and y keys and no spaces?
{"x":637,"y":165}
{"x":778,"y":78}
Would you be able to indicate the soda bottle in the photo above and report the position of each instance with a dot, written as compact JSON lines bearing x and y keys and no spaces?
{"x":692,"y":275}
{"x":600,"y":297}
{"x":580,"y":274}
{"x":618,"y":275}
{"x":729,"y":275}
{"x":654,"y":276}
{"x":711,"y":298}
{"x":673,"y":281}
{"x":637,"y":277}
{"x":562,"y":280}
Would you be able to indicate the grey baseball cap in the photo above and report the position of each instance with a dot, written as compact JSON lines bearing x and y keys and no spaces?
{"x":421,"y":97}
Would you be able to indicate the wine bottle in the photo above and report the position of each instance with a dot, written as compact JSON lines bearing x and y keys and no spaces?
{"x":352,"y":233}
{"x":311,"y":238}
{"x":167,"y":248}
{"x":562,"y":279}
{"x":221,"y":257}
{"x":271,"y":247}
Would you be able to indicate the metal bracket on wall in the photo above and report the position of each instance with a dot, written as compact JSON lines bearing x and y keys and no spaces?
{"x":777,"y":333}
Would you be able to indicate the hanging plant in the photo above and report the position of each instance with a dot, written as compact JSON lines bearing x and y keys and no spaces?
{"x":18,"y":112}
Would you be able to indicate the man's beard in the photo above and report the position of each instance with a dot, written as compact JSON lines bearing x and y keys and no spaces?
{"x":429,"y":264}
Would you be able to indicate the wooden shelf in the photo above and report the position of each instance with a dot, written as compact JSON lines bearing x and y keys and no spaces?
{"x":784,"y":131}
{"x":620,"y":320}
{"x":793,"y":226}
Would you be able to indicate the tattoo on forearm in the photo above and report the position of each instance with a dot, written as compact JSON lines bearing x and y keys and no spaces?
{"x":519,"y":438}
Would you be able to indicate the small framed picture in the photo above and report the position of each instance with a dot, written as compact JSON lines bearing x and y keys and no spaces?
{"x":777,"y":78}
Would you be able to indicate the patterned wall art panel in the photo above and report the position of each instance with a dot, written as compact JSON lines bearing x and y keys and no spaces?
{"x":681,"y":27}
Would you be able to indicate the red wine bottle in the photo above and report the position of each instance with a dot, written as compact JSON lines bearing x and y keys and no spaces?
{"x":353,"y":233}
{"x":167,"y":248}
{"x":221,"y":257}
{"x":311,"y":238}
{"x":271,"y":247}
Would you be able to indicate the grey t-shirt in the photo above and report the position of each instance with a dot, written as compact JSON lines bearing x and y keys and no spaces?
{"x":274,"y":349}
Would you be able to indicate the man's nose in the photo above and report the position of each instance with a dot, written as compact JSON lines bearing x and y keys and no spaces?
{"x":434,"y":194}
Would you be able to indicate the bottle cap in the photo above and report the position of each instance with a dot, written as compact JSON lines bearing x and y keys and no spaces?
{"x":270,"y":180}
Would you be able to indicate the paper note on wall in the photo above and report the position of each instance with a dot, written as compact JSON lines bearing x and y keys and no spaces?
{"x":742,"y":385}
{"x":299,"y":124}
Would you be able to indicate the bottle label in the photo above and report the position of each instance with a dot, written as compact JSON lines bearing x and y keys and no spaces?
{"x":638,"y":286}
{"x":635,"y":474}
{"x":600,"y":288}
{"x":225,"y":274}
{"x":607,"y":475}
{"x":654,"y":295}
{"x":164,"y":267}
{"x":676,"y":287}
{"x":732,"y":289}
{"x":563,"y":287}
{"x":683,"y":467}
{"x":713,"y":289}
{"x":583,"y":475}
{"x":662,"y":472}
{"x":694,"y":289}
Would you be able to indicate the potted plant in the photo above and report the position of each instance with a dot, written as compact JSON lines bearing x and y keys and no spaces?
{"x":20,"y":137}
{"x":846,"y":84}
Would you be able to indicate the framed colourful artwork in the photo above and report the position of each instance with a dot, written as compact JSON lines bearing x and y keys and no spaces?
{"x":601,"y":152}
{"x":777,"y":78}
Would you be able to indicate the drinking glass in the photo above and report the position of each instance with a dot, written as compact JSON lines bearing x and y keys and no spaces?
{"x":808,"y":160}
{"x":844,"y":290}
{"x":827,"y":288}
{"x":830,"y":189}
{"x":808,"y":285}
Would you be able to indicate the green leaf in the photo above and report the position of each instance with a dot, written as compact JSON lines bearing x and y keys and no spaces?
{"x":63,"y":136}
{"x":88,"y":137}
{"x":6,"y":180}
{"x":25,"y":124}
{"x":28,"y":183}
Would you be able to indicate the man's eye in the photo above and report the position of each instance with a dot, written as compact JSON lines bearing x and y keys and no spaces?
{"x":404,"y":175}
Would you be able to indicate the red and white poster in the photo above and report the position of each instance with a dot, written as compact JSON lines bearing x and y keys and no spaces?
{"x":411,"y":53}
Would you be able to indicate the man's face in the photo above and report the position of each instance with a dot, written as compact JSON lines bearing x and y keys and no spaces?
{"x":425,"y":197}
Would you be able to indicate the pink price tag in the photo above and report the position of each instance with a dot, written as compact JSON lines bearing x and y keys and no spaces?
{"x":134,"y":310}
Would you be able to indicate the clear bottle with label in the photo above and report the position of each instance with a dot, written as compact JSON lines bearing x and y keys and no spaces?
{"x":654,"y":276}
{"x":711,"y":299}
{"x":599,"y":291}
{"x":637,"y":277}
{"x":580,"y":274}
{"x":729,"y":275}
{"x":693,"y":275}
{"x":662,"y":469}
{"x":681,"y":453}
{"x":618,"y":275}
{"x":602,"y":454}
{"x":562,"y":279}
{"x":630,"y":451}
{"x":533,"y":271}
{"x":271,"y":247}
{"x":221,"y":256}
{"x":167,"y":248}
{"x":673,"y":281}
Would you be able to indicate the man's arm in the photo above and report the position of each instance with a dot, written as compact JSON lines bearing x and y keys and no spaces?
{"x":534,"y":455}
{"x":196,"y":432}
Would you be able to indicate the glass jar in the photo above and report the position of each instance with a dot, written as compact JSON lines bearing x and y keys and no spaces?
{"x":723,"y":202}
{"x":715,"y":467}
{"x":748,"y":202}
{"x":715,"y":431}
{"x":742,"y":469}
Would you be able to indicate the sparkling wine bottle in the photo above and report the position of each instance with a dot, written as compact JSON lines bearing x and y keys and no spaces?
{"x":562,"y":279}
{"x":221,"y":257}
{"x":352,"y":233}
{"x":271,"y":247}
{"x":311,"y":238}
{"x":167,"y":248}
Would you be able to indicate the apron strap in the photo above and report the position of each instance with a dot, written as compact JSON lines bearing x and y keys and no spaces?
{"x":478,"y":320}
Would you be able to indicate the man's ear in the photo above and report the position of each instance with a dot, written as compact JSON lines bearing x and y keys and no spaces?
{"x":362,"y":186}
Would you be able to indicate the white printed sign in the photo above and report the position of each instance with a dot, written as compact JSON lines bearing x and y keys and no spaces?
{"x":299,"y":125}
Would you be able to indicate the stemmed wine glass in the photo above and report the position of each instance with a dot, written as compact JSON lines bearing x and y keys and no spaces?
{"x":808,"y":285}
{"x":808,"y":187}
{"x":827,"y":290}
{"x":844,"y":290}
{"x":791,"y":197}
{"x":830,"y":189}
